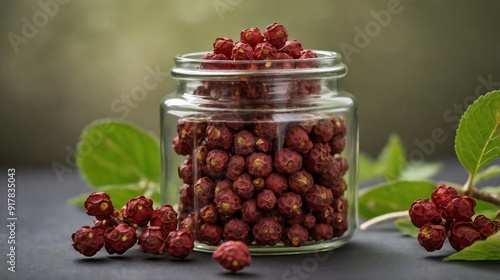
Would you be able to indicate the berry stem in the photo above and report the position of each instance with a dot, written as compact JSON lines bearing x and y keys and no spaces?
{"x":469,"y":190}
{"x":382,"y":218}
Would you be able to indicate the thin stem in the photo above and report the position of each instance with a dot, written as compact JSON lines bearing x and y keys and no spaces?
{"x":486,"y":196}
{"x":382,"y":218}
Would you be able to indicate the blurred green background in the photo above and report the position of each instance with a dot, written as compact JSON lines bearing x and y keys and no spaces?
{"x":66,"y":63}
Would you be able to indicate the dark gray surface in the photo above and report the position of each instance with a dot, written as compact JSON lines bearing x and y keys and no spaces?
{"x":46,"y":222}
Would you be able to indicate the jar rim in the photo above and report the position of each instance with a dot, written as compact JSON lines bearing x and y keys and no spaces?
{"x":326,"y":64}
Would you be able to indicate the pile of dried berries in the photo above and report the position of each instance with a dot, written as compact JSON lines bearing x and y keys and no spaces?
{"x":448,"y":214}
{"x":155,"y":230}
{"x":254,"y":177}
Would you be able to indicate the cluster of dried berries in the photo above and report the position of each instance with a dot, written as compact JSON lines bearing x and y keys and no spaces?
{"x":155,"y":230}
{"x":261,"y":181}
{"x":256,"y":51}
{"x":233,"y":255}
{"x":449,"y":215}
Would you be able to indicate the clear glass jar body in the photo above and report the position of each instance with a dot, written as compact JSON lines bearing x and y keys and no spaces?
{"x":267,"y":156}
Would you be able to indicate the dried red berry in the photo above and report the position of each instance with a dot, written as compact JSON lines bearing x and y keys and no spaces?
{"x":318,"y":198}
{"x":259,"y":183}
{"x":262,"y":145}
{"x":275,"y":215}
{"x":242,"y":51}
{"x":295,"y":235}
{"x":138,"y":211}
{"x":339,"y":124}
{"x":460,"y":208}
{"x":277,"y":183}
{"x":289,"y":204}
{"x":187,"y":224}
{"x":295,"y":219}
{"x":332,"y":176}
{"x":189,"y":130}
{"x":102,"y":225}
{"x":223,"y":184}
{"x":298,"y":140}
{"x":236,"y":229}
{"x":325,"y":215}
{"x":249,"y":212}
{"x":227,"y":202}
{"x":223,"y":45}
{"x":265,"y":51}
{"x":293,"y":48}
{"x":443,"y":195}
{"x":432,"y":237}
{"x":209,"y":213}
{"x":486,"y":226}
{"x":87,"y":241}
{"x":276,"y":34}
{"x":339,"y":224}
{"x":119,"y":239}
{"x":218,"y":136}
{"x":243,"y":186}
{"x":322,"y":232}
{"x":462,"y":234}
{"x":210,"y":234}
{"x":266,"y":200}
{"x":204,"y":190}
{"x":340,"y":205}
{"x":319,"y":159}
{"x":185,"y":171}
{"x":323,"y":131}
{"x":300,"y":182}
{"x":217,"y":160}
{"x":287,"y":161}
{"x":343,"y":165}
{"x":233,"y":255}
{"x":244,"y":142}
{"x":264,"y":126}
{"x":200,"y":154}
{"x":259,"y":164}
{"x":186,"y":195}
{"x":309,"y":221}
{"x":338,"y":189}
{"x":267,"y":231}
{"x":423,"y":211}
{"x":164,"y":217}
{"x":337,"y":144}
{"x":179,"y":243}
{"x":251,"y":36}
{"x":152,"y":240}
{"x":98,"y":204}
{"x":182,"y":146}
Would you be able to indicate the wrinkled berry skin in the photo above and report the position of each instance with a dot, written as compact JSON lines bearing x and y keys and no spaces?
{"x":186,"y":195}
{"x":298,"y":140}
{"x":432,"y":237}
{"x":223,"y":45}
{"x":210,"y":234}
{"x":87,"y":241}
{"x":218,"y":136}
{"x":287,"y":161}
{"x":267,"y":231}
{"x":277,"y":183}
{"x":292,"y":48}
{"x":139,"y":211}
{"x":249,"y":212}
{"x":423,"y":211}
{"x":265,"y":51}
{"x":251,"y":36}
{"x":289,"y":204}
{"x":443,"y":195}
{"x":243,"y":186}
{"x":244,"y":142}
{"x":322,"y":231}
{"x":98,"y":204}
{"x":102,"y":225}
{"x":276,"y":34}
{"x":266,"y":200}
{"x":460,"y":208}
{"x":295,"y":235}
{"x":182,"y":146}
{"x":227,"y":202}
{"x":235,"y":166}
{"x":323,"y":131}
{"x":318,"y":198}
{"x":233,"y":255}
{"x":236,"y":229}
{"x":300,"y":182}
{"x":152,"y":240}
{"x":217,"y":160}
{"x":187,"y":224}
{"x":339,"y":224}
{"x":319,"y":159}
{"x":209,"y":213}
{"x":259,"y":164}
{"x":164,"y":217}
{"x":185,"y":171}
{"x":204,"y":190}
{"x":486,"y":226}
{"x":119,"y":239}
{"x":463,"y":234}
{"x":309,"y":221}
{"x":179,"y":243}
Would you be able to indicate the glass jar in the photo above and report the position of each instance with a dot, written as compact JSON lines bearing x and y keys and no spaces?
{"x":262,"y":151}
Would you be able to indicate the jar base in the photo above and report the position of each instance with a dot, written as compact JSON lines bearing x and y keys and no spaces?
{"x":280,"y":249}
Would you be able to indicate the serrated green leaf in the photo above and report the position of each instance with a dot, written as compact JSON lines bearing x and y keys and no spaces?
{"x":367,"y":168}
{"x":490,"y":172}
{"x":482,"y":250}
{"x":392,"y":158}
{"x":118,"y":153}
{"x":119,"y":196}
{"x":406,"y":227}
{"x":392,"y":196}
{"x":420,"y":170}
{"x":477,"y":142}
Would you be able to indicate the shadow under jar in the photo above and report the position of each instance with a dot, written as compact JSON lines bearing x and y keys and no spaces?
{"x":262,"y":151}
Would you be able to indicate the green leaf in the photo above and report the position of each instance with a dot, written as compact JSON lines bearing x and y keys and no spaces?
{"x":392,"y":158}
{"x":482,"y":250}
{"x":490,"y":172}
{"x":405,"y":226}
{"x":118,"y":153}
{"x":367,"y":168}
{"x":392,"y":196}
{"x":119,"y":196}
{"x":420,"y":170}
{"x":478,"y":135}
